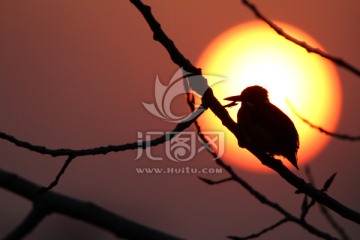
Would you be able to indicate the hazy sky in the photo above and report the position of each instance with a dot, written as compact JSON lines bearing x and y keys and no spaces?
{"x":74,"y":74}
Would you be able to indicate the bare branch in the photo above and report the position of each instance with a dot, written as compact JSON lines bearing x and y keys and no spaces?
{"x":257,"y":195}
{"x":212,"y":182}
{"x":176,"y":56}
{"x":333,"y":223}
{"x":58,"y":176}
{"x":265,"y":230}
{"x":29,"y":223}
{"x":306,"y":208}
{"x":340,"y":62}
{"x":111,"y":148}
{"x":71,"y":153}
{"x":210,"y":101}
{"x":322,"y":130}
{"x":324,"y":210}
{"x":51,"y":202}
{"x":263,"y":199}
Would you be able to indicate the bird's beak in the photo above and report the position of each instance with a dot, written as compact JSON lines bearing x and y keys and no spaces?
{"x":237,"y":98}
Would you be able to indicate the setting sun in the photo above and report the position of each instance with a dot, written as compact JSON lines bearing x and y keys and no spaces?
{"x":253,"y":54}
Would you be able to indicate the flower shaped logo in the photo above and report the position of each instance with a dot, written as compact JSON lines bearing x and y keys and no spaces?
{"x":164,"y":94}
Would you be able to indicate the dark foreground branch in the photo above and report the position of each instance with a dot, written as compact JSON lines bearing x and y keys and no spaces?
{"x":51,"y":202}
{"x":209,"y":100}
{"x":340,"y":230}
{"x":72,"y":153}
{"x":28,"y":224}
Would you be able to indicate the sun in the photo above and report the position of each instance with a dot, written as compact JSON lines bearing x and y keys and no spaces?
{"x":253,"y":54}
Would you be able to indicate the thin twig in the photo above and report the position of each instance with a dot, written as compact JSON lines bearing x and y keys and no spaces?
{"x":322,"y":130}
{"x":107,"y":149}
{"x":71,"y":153}
{"x":58,"y":176}
{"x":340,"y":62}
{"x":340,"y":230}
{"x":212,"y":182}
{"x":327,"y":184}
{"x":260,"y":197}
{"x":210,"y":101}
{"x":265,"y":230}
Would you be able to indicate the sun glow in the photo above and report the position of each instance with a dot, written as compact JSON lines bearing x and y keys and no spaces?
{"x":253,"y":54}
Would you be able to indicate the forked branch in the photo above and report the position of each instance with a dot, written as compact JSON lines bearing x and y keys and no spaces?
{"x":51,"y":202}
{"x":209,"y":100}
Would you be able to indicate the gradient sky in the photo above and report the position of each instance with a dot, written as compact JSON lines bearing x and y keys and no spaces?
{"x":74,"y":74}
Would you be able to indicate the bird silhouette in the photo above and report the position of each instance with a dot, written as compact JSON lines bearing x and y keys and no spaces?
{"x":264,"y":125}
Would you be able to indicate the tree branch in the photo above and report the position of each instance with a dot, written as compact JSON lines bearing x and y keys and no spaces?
{"x":58,"y":176}
{"x":210,"y":101}
{"x":322,"y":130}
{"x":264,"y":200}
{"x":51,"y":202}
{"x":340,"y":62}
{"x":29,"y":223}
{"x":324,"y":210}
{"x":306,"y":207}
{"x":111,"y":148}
{"x":265,"y":230}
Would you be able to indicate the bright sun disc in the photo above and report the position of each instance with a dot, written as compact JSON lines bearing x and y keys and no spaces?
{"x":253,"y":54}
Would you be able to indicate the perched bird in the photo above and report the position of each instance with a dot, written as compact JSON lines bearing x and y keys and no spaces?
{"x":266,"y":126}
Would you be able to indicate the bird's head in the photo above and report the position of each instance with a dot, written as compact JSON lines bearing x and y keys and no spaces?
{"x":252,"y":95}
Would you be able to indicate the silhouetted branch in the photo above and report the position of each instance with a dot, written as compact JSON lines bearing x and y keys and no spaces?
{"x":340,"y":62}
{"x":234,"y":177}
{"x":58,"y":176}
{"x":278,"y":166}
{"x":322,"y":130}
{"x":262,"y":198}
{"x":72,"y":153}
{"x":265,"y":230}
{"x":176,"y":56}
{"x":211,"y":102}
{"x":47,"y":202}
{"x":29,"y":223}
{"x":306,"y":208}
{"x":212,"y":182}
{"x":111,"y":148}
{"x":51,"y":202}
{"x":333,"y":223}
{"x":341,"y":231}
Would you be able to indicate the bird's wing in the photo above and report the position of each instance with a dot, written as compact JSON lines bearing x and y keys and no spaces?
{"x":277,"y":124}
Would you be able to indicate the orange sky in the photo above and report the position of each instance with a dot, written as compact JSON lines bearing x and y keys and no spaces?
{"x":74,"y":74}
